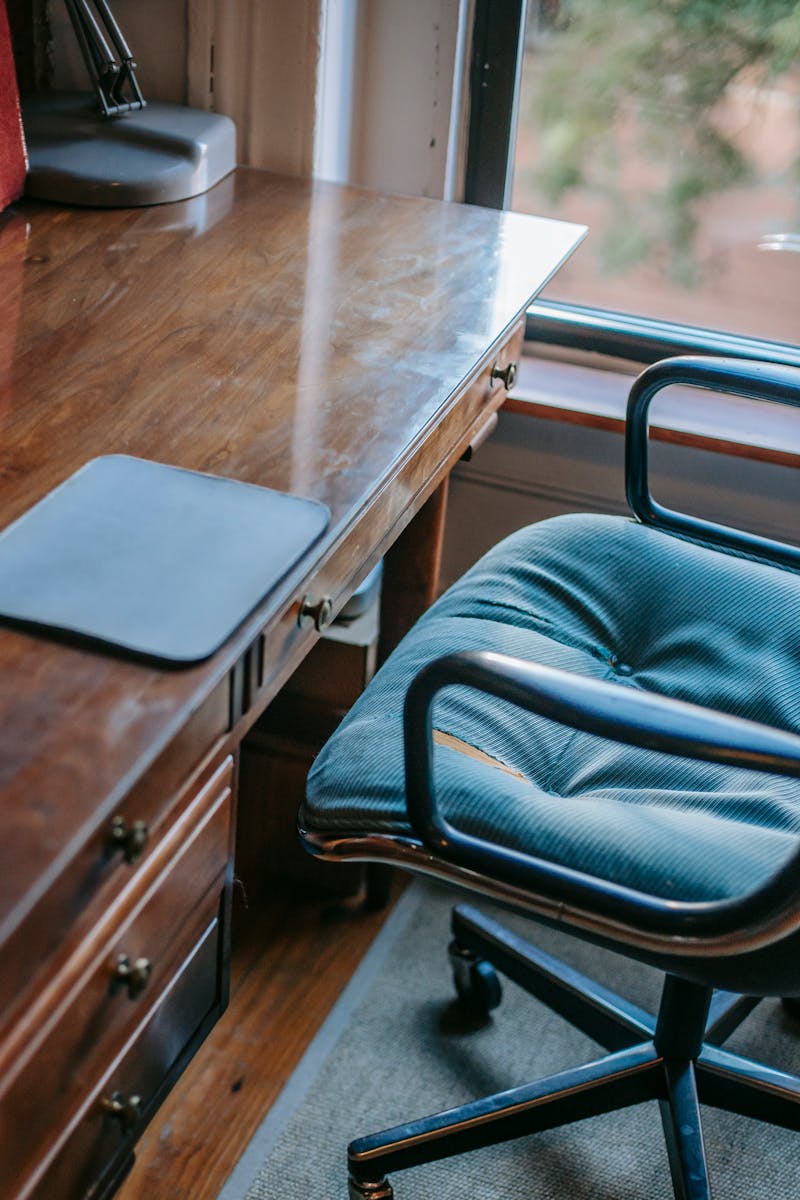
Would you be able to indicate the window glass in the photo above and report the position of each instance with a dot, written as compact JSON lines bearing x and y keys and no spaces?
{"x":672,"y":129}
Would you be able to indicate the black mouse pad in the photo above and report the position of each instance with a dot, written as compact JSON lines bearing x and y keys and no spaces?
{"x":151,"y":559}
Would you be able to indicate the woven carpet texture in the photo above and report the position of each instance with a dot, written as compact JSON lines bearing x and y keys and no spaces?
{"x":406,"y":1051}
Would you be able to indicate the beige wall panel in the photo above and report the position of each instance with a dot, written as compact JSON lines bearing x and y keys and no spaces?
{"x":265,"y":77}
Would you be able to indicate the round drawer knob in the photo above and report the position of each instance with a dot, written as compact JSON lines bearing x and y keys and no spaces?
{"x":507,"y":375}
{"x":132,"y":975}
{"x":125,"y":1109}
{"x":315,"y":612}
{"x":130,"y":839}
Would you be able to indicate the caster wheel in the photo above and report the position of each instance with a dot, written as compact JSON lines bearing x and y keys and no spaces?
{"x":381,"y":1189}
{"x":792,"y":1006}
{"x":476,"y":981}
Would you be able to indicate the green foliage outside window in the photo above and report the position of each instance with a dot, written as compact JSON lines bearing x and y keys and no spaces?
{"x":628,"y":98}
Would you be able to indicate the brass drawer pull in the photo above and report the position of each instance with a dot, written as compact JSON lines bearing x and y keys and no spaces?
{"x":132,"y":975}
{"x":125,"y":1109}
{"x":507,"y":375}
{"x":315,"y":612}
{"x":131,"y":840}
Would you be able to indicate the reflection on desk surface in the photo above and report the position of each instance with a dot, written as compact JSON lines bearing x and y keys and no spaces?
{"x":311,"y":338}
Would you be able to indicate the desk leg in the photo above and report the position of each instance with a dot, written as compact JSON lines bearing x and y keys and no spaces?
{"x":411,"y":571}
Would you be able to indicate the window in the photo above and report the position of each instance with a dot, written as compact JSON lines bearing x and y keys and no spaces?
{"x":671,"y":128}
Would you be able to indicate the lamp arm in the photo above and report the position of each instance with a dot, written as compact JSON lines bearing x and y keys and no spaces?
{"x":613,"y":711}
{"x":108,"y":58}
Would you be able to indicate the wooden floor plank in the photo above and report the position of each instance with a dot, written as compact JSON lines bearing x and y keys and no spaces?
{"x":291,"y":960}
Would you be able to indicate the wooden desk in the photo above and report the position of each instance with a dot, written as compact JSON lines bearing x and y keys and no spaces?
{"x":326,"y":341}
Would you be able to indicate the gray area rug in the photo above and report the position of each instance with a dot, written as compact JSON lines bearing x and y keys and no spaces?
{"x":395,"y":1048}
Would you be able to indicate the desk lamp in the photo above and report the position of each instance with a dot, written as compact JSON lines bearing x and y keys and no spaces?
{"x":111,"y":148}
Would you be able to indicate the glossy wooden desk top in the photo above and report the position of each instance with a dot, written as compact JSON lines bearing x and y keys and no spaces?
{"x":299,"y":335}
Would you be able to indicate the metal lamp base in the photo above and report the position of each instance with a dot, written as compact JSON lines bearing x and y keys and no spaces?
{"x":155,"y":155}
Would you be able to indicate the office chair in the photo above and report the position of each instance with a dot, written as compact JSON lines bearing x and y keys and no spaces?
{"x":597,"y":726}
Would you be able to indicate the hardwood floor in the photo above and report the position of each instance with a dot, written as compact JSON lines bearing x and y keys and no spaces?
{"x":292,"y":956}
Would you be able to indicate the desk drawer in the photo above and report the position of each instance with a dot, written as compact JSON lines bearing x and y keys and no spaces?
{"x":97,"y":1144}
{"x":93,"y":1006}
{"x":86,"y":885}
{"x":425,"y":466}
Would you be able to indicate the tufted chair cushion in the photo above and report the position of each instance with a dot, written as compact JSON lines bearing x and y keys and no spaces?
{"x":612,"y":599}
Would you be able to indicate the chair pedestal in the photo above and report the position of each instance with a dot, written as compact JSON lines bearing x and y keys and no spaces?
{"x":675,"y":1059}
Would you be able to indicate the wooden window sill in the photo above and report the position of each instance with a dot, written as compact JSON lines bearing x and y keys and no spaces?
{"x":576,"y":394}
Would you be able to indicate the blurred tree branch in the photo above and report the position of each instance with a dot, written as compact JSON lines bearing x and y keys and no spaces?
{"x":637,"y":89}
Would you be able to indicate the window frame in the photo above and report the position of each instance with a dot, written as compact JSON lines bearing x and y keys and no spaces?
{"x":495,"y":73}
{"x":498,"y":37}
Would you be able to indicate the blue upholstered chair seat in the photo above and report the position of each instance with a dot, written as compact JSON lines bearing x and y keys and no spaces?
{"x":667,"y":631}
{"x":611,"y":599}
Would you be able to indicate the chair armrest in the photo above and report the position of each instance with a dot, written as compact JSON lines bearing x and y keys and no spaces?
{"x":613,"y":711}
{"x":740,"y":377}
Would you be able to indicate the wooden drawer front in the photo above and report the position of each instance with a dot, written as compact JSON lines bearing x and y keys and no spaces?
{"x":95,"y":1143}
{"x":274,"y":656}
{"x":88,"y":1014}
{"x":97,"y":871}
{"x":424,"y":469}
{"x":487,"y":395}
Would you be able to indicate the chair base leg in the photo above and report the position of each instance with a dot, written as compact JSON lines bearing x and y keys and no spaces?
{"x":683,"y":1134}
{"x":607,"y":1018}
{"x":627,"y":1077}
{"x":726,"y":1013}
{"x":675,"y":1059}
{"x":749,"y":1088}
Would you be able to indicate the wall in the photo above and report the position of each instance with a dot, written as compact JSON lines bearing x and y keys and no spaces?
{"x":256,"y":62}
{"x":407,"y":112}
{"x":533,"y":469}
{"x":29,"y":39}
{"x":266,"y":62}
{"x":360,"y":91}
{"x":156,"y":32}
